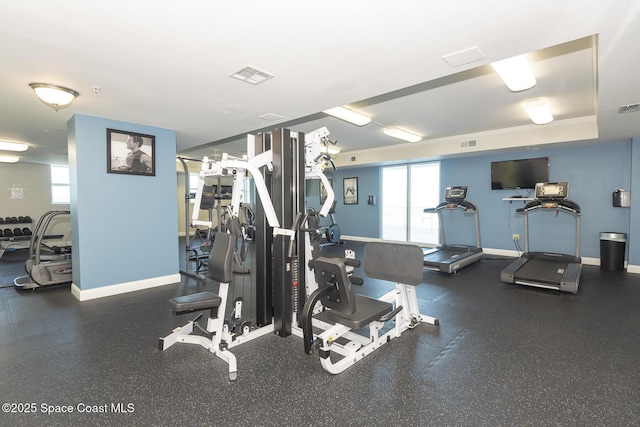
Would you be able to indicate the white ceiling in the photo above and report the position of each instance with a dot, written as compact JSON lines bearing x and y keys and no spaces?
{"x":166,"y":63}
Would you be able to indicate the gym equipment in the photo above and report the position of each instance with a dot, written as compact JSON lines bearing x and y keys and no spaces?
{"x":218,"y":342}
{"x":198,"y":246}
{"x":15,"y":238}
{"x":200,"y":253}
{"x":275,"y":162}
{"x":332,"y":231}
{"x":220,"y":263}
{"x":450,"y":258}
{"x":189,"y":250}
{"x":48,"y":264}
{"x":339,"y":347}
{"x":546,"y":269}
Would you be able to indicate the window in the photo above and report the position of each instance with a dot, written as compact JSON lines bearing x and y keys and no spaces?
{"x":60,"y":189}
{"x":394,"y":203}
{"x":406,"y":191}
{"x":193,"y":185}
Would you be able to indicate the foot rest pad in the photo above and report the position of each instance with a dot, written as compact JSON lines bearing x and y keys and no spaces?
{"x":195,"y":302}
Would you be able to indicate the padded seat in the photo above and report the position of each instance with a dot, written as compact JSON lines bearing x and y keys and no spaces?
{"x":195,"y":302}
{"x":367,"y":311}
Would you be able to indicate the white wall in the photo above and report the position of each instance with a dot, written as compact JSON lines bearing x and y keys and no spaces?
{"x":35,"y":181}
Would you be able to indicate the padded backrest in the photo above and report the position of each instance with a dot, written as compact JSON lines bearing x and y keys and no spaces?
{"x":332,"y":272}
{"x":235,"y":228}
{"x":220,"y":263}
{"x":394,"y":262}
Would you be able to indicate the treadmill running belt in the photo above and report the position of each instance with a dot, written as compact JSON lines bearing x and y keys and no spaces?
{"x":543,"y":271}
{"x":442,"y":255}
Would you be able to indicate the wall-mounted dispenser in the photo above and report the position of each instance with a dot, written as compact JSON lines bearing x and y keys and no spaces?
{"x":621,"y":198}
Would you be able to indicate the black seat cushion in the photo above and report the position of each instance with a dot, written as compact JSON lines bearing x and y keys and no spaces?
{"x":195,"y":302}
{"x":367,"y":310}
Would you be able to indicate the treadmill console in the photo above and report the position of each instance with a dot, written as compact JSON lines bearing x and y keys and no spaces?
{"x":455,"y":194}
{"x":552,"y":191}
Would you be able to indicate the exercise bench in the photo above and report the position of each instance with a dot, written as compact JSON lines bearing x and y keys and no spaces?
{"x":347,"y":311}
{"x":221,"y":270}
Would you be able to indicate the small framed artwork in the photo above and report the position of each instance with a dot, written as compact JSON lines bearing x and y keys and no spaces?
{"x":350,"y":190}
{"x":323,"y":191}
{"x":130,"y":153}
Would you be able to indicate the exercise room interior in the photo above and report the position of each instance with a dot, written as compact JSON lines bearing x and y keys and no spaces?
{"x":336,"y":214}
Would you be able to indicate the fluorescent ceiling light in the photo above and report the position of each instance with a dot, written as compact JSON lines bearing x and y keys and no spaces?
{"x":539,"y":111}
{"x":54,"y":96}
{"x":401,"y":134}
{"x":348,"y":116}
{"x":13,"y":146}
{"x":515,"y":73}
{"x":9,"y":159}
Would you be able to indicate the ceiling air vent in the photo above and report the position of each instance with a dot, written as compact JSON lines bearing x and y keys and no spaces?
{"x":631,"y":108}
{"x":251,"y":75}
{"x":470,"y":143}
{"x":270,"y":117}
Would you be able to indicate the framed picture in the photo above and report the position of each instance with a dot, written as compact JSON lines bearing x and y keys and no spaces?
{"x":323,"y":191}
{"x":130,"y":153}
{"x":350,"y":190}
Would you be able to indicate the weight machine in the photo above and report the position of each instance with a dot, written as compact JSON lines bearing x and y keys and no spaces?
{"x":274,"y":161}
{"x":280,"y":162}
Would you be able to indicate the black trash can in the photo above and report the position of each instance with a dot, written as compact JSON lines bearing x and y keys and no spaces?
{"x":612,"y":249}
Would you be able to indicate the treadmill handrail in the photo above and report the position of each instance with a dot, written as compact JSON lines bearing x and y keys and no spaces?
{"x":566,"y":205}
{"x":463,"y":205}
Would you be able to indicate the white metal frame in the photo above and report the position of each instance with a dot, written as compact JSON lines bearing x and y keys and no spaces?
{"x":359,"y":346}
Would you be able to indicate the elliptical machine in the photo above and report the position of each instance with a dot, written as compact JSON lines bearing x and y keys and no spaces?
{"x":47,"y":264}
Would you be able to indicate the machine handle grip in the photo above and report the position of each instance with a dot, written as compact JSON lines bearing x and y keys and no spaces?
{"x":530,"y":206}
{"x":292,"y":239}
{"x":310,"y":213}
{"x":356,"y":280}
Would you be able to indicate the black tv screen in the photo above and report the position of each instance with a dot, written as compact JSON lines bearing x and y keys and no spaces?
{"x":516,"y":174}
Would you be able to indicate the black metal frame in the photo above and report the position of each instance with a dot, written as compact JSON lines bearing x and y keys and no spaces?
{"x":278,"y":287}
{"x":118,"y":137}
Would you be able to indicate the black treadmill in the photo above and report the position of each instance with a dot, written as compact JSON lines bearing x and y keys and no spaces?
{"x":450,"y":258}
{"x":546,"y":269}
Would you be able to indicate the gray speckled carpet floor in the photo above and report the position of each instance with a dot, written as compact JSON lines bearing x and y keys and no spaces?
{"x":503,"y":355}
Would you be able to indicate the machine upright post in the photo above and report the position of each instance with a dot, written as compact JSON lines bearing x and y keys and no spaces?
{"x":263,"y":245}
{"x":526,"y":231}
{"x":286,"y":183}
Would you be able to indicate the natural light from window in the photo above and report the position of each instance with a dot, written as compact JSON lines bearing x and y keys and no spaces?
{"x":406,"y":191}
{"x":60,"y":189}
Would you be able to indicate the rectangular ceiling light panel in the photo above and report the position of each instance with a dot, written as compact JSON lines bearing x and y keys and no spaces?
{"x":515,"y":73}
{"x":348,"y":116}
{"x":402,"y":134}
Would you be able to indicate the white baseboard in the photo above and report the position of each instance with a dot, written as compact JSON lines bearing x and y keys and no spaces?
{"x":121,"y":288}
{"x":635,"y":269}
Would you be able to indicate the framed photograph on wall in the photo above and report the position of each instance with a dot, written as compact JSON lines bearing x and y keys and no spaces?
{"x":323,"y":191}
{"x":130,"y":153}
{"x":350,"y":191}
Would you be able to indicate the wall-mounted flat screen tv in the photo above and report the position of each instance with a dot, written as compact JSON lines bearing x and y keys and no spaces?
{"x":517,"y":174}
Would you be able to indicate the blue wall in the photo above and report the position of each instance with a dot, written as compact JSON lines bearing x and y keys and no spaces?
{"x":124,"y":227}
{"x":593,"y":171}
{"x":361,"y":219}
